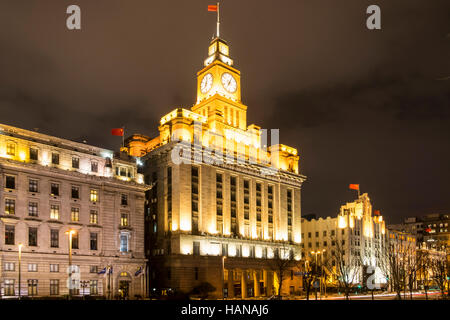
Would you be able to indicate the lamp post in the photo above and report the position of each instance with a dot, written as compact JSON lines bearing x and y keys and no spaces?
{"x":315,"y":270}
{"x":324,"y":284}
{"x":70,"y":233}
{"x":20,"y":271}
{"x":223,"y":277}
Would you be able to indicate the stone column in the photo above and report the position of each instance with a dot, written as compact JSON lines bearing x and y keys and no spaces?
{"x":230,"y":284}
{"x":256,"y":282}
{"x":244,"y":284}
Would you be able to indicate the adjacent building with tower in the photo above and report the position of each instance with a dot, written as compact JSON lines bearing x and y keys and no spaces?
{"x":50,"y":186}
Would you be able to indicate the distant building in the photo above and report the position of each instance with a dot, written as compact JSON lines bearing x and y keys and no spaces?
{"x":430,"y":231}
{"x":49,"y":186}
{"x":356,"y":231}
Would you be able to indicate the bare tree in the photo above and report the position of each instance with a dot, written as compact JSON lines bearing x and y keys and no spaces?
{"x":281,"y":263}
{"x":440,"y":271}
{"x":423,"y":261}
{"x":345,"y":267}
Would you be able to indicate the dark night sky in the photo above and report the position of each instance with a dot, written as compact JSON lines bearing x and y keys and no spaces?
{"x":367,"y":107}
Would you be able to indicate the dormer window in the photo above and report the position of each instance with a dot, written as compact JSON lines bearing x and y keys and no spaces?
{"x":34,"y":154}
{"x":11,"y":149}
{"x":75,"y":162}
{"x":55,"y":158}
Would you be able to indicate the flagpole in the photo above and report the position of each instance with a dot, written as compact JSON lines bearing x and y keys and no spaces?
{"x":123,"y":137}
{"x":218,"y":20}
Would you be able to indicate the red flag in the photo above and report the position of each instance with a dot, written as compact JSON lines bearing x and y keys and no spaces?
{"x":117,"y":132}
{"x":354,"y":186}
{"x":376,"y":212}
{"x":212,"y":8}
{"x":428,"y":230}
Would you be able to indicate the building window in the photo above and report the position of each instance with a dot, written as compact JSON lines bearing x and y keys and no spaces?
{"x":9,"y":234}
{"x":75,"y":192}
{"x":124,"y":200}
{"x":332,"y":233}
{"x":32,"y":287}
{"x":54,"y":189}
{"x":54,"y":267}
{"x":34,"y":154}
{"x":10,"y":206}
{"x":194,"y":198}
{"x":246,"y":200}
{"x":75,"y":162}
{"x":9,"y":287}
{"x":124,"y":219}
{"x":75,"y":241}
{"x":54,"y":238}
{"x":54,"y":287}
{"x":93,"y":287}
{"x":93,"y":241}
{"x":324,"y":233}
{"x":54,"y":212}
{"x":169,"y":197}
{"x":289,"y":208}
{"x":317,"y":234}
{"x":196,"y":273}
{"x":93,"y":269}
{"x":196,"y":248}
{"x":32,"y":267}
{"x":10,"y":182}
{"x":33,"y":185}
{"x":32,"y":236}
{"x":55,"y":158}
{"x":258,"y":201}
{"x":9,"y":266}
{"x":219,"y":194}
{"x":233,"y":205}
{"x":11,"y":149}
{"x":124,"y":242}
{"x":94,"y":195}
{"x":94,"y":166}
{"x":33,"y":209}
{"x":270,"y":204}
{"x":93,"y":217}
{"x":75,"y":214}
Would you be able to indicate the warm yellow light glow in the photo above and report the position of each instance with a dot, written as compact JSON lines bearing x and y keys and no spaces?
{"x":22,"y":155}
{"x":342,"y":223}
{"x":231,"y":250}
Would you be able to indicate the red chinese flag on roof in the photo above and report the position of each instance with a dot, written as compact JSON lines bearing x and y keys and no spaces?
{"x":117,"y":132}
{"x":354,"y":186}
{"x":376,"y":212}
{"x":212,"y":8}
{"x":428,"y":230}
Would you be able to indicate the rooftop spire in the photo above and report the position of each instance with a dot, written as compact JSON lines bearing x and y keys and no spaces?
{"x":218,"y":20}
{"x":216,"y":8}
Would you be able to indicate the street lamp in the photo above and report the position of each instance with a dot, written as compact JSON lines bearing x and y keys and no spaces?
{"x":223,"y":277}
{"x":70,"y":233}
{"x":315,"y":270}
{"x":324,"y":284}
{"x":20,"y":271}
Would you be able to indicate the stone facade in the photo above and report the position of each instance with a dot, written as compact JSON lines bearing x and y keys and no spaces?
{"x":49,"y":186}
{"x":224,"y":204}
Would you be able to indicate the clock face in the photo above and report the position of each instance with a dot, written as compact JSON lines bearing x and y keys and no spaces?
{"x":206,"y":84}
{"x":228,"y":82}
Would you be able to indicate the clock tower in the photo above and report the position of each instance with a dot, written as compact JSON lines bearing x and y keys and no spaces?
{"x":219,"y":89}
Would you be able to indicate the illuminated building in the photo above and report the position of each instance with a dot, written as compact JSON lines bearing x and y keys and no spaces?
{"x":50,"y":186}
{"x":360,"y":235}
{"x":199,"y":211}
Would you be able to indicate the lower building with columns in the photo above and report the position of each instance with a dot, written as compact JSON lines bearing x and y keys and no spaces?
{"x":50,"y":186}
